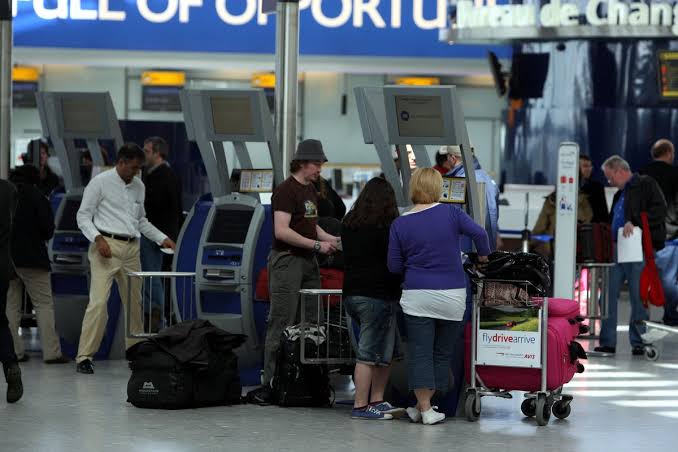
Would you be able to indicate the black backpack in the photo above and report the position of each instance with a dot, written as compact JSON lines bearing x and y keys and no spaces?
{"x":160,"y":381}
{"x":296,"y":384}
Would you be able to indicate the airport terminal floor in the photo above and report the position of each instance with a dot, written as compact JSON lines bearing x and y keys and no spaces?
{"x":621,"y":404}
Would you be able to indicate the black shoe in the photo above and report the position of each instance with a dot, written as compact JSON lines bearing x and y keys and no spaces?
{"x":611,"y":350}
{"x":260,"y":396}
{"x":670,"y":322}
{"x":15,"y":388}
{"x":63,"y":359}
{"x":638,"y":350}
{"x":24,"y":358}
{"x":85,"y":367}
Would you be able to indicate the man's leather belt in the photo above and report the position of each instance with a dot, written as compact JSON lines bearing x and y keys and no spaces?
{"x":122,"y":238}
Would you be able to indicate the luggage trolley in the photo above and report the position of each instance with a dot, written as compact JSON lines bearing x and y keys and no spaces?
{"x":656,"y":333}
{"x":183,"y":286}
{"x":538,"y":403}
{"x":331,"y":330}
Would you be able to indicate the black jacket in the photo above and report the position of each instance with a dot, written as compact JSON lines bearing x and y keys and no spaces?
{"x":7,"y":204}
{"x":644,"y":195}
{"x":163,"y":200}
{"x":667,"y":177}
{"x":49,"y":182}
{"x":596,"y":196}
{"x":192,"y":341}
{"x":33,"y":226}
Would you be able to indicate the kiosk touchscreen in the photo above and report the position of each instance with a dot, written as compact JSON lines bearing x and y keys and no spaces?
{"x":227,"y":235}
{"x":65,"y":118}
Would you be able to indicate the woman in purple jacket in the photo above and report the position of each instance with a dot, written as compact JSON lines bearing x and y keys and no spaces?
{"x":424,"y":247}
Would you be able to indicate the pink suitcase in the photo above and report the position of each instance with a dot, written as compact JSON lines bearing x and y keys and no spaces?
{"x":563,"y":328}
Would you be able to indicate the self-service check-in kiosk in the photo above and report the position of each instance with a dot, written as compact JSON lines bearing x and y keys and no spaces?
{"x":227,"y":235}
{"x":418,"y":116}
{"x":65,"y":118}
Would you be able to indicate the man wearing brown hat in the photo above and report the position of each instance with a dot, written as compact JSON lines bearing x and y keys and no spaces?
{"x":297,"y":239}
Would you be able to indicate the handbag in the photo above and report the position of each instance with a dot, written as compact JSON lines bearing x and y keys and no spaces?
{"x":651,"y":290}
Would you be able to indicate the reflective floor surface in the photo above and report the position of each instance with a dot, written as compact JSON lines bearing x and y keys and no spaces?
{"x":621,"y":404}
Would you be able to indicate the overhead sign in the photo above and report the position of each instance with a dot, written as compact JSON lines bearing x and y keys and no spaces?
{"x":558,"y":19}
{"x":668,"y":75}
{"x":389,"y":28}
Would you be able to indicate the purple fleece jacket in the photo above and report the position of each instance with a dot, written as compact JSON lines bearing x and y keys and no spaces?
{"x":424,"y":246}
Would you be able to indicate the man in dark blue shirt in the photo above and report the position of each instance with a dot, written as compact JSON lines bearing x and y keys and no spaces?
{"x":636,"y":194}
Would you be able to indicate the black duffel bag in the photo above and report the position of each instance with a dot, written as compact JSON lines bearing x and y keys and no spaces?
{"x":186,"y":366}
{"x":504,"y":265}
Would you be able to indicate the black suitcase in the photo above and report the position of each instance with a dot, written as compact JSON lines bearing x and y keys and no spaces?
{"x":296,"y":384}
{"x":594,"y":243}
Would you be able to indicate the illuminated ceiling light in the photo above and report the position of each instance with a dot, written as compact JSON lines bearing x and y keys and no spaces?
{"x":263,"y":80}
{"x":418,"y":81}
{"x":25,"y":74}
{"x":671,"y":414}
{"x":622,"y":384}
{"x":163,"y":78}
{"x":647,"y":403}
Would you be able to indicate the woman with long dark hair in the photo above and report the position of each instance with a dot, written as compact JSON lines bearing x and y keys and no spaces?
{"x":371,"y":295}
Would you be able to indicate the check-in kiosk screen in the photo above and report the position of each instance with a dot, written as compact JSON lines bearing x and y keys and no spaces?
{"x":419,"y":116}
{"x":232,"y":115}
{"x":81,"y":116}
{"x":68,"y":220}
{"x":230,"y":226}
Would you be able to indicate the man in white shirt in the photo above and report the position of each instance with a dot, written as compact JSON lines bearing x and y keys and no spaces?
{"x":113,"y":218}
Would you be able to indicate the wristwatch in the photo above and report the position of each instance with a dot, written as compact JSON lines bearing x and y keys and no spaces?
{"x":316,"y":246}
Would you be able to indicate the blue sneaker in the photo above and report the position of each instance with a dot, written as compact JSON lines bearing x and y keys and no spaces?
{"x":387,"y":408}
{"x":370,"y":413}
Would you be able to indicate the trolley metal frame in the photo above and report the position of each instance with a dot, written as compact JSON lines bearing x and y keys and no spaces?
{"x":188,"y":293}
{"x":325,"y":320}
{"x":660,"y":332}
{"x":536,"y":404}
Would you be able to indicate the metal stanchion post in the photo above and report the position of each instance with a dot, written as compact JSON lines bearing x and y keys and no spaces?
{"x":5,"y":85}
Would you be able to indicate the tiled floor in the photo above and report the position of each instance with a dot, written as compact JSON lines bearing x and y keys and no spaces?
{"x":621,"y":404}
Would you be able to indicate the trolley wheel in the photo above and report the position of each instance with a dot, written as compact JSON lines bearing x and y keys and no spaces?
{"x":472,"y":414}
{"x":543,"y":413}
{"x":529,"y":407}
{"x":561,"y":409}
{"x":651,"y":353}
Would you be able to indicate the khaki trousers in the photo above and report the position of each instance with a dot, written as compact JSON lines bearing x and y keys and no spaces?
{"x":125,"y":258}
{"x":39,"y":287}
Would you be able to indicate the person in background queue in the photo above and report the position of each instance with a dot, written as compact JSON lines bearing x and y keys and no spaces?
{"x":636,"y":194}
{"x":33,"y":226}
{"x":424,"y":247}
{"x":163,"y":210}
{"x":371,"y":295}
{"x":666,"y":175}
{"x":444,"y":161}
{"x":491,"y":191}
{"x":10,"y":364}
{"x":112,"y":217}
{"x":594,"y":191}
{"x":297,"y":238}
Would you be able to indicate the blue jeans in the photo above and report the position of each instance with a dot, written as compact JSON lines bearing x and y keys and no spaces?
{"x":151,"y":261}
{"x":667,"y":263}
{"x":378,"y":340}
{"x":608,"y":331}
{"x":430,"y":345}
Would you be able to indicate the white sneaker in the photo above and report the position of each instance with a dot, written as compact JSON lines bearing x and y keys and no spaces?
{"x":414,"y":414}
{"x":431,"y":417}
